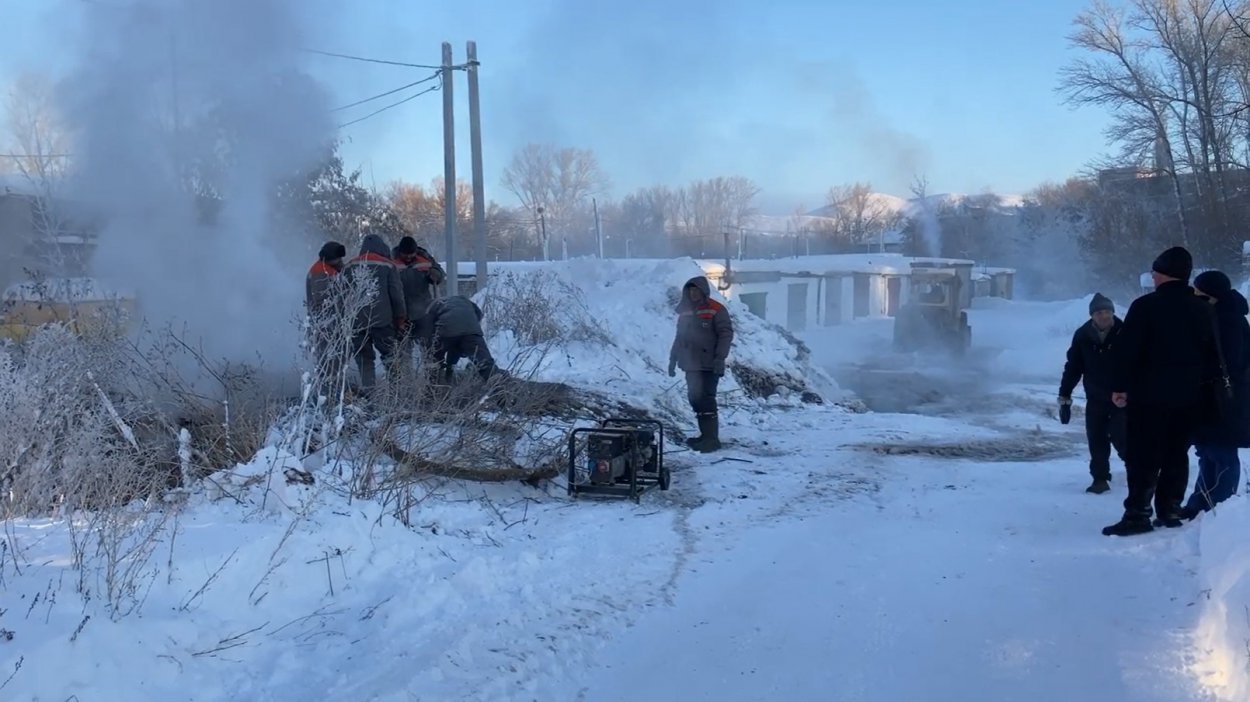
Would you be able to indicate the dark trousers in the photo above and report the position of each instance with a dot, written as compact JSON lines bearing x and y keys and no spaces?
{"x":1105,"y":427}
{"x":471,"y":346}
{"x":701,"y":391}
{"x":1219,"y":472}
{"x":1158,"y":459}
{"x":379,"y":339}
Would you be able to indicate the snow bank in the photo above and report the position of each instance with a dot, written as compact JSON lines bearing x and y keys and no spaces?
{"x":1223,"y":663}
{"x":608,"y":326}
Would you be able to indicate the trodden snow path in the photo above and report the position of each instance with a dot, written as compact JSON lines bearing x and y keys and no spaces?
{"x":956,"y":581}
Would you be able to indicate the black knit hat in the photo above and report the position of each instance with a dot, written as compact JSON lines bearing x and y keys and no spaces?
{"x":1174,"y":263}
{"x":1100,"y":303}
{"x":332,"y":250}
{"x":1213,"y":284}
{"x":407,"y":246}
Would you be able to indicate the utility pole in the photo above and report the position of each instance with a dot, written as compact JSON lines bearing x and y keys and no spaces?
{"x":449,"y":173}
{"x":479,"y":180}
{"x":542,"y":219}
{"x":598,"y":229}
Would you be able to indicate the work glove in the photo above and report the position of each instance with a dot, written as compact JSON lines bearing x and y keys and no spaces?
{"x":401,"y":326}
{"x":718,"y":368}
{"x":1065,"y":410}
{"x":672,"y":369}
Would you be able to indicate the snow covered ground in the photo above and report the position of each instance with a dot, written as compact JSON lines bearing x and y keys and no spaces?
{"x":940,"y":550}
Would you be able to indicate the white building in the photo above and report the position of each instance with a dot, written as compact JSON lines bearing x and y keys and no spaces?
{"x":810,"y":291}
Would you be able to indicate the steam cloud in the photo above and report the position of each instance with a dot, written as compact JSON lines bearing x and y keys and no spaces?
{"x":161,"y":86}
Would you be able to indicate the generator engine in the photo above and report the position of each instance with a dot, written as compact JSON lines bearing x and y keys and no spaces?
{"x":620,"y":457}
{"x":613,"y":457}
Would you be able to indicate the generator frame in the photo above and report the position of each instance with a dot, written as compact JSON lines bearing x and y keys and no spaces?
{"x":638,"y":484}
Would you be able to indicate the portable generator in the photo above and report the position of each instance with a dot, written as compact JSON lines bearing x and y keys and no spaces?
{"x":618,"y":458}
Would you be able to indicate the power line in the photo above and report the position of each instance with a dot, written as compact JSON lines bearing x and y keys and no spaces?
{"x":394,"y":104}
{"x":34,"y":155}
{"x":370,"y":60}
{"x":389,"y":92}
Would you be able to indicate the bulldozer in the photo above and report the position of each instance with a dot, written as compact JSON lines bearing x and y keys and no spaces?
{"x":933,"y":318}
{"x":78,"y":303}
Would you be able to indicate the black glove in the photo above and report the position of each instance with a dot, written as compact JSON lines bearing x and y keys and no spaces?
{"x":718,"y":368}
{"x":1065,"y":410}
{"x":672,"y":369}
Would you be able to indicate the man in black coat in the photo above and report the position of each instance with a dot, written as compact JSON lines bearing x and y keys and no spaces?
{"x":1089,"y":360}
{"x":1219,"y":467}
{"x":1165,"y":366}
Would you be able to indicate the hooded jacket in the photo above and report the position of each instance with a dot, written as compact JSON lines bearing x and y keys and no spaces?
{"x":1089,"y":359}
{"x":704,"y":332}
{"x":418,"y":273}
{"x":387,"y":308}
{"x":1234,"y":332}
{"x":455,"y":316}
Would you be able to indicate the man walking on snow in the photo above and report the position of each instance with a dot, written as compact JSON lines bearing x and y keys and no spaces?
{"x":1164,"y":373}
{"x":704,"y":335}
{"x":1089,"y":360}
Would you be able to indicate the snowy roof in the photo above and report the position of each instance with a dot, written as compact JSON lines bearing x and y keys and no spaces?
{"x":881,"y":263}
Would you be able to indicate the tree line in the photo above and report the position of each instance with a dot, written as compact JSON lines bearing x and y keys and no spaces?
{"x":1173,"y":74}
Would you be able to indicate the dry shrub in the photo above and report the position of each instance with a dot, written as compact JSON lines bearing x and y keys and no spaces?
{"x":540,"y":308}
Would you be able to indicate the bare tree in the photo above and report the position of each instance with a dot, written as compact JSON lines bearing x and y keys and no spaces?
{"x":1121,"y":75}
{"x":707,"y":208}
{"x":561,"y":180}
{"x":859,"y":215}
{"x":38,"y":143}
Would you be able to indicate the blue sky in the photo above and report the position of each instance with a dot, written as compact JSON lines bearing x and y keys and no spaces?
{"x":797,"y":95}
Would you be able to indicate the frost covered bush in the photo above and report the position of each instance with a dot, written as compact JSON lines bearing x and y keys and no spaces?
{"x":540,"y":307}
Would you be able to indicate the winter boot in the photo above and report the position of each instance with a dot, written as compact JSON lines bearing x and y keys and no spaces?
{"x":709,"y":427}
{"x":1130,"y":525}
{"x":1099,"y":486}
{"x":1189,"y":513}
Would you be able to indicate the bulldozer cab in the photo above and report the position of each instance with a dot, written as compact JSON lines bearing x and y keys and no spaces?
{"x":79,"y":303}
{"x":935,"y":287}
{"x":932,"y":317}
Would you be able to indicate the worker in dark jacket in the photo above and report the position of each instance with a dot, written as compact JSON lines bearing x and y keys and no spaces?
{"x":704,"y":335}
{"x":323,"y":303}
{"x":1089,"y":360}
{"x":1219,"y":467}
{"x":457,"y":333}
{"x":1166,"y":363}
{"x":420,"y":275}
{"x":379,"y":323}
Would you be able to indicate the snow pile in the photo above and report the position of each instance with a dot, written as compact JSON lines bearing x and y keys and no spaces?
{"x":609,"y":325}
{"x":1224,"y":628}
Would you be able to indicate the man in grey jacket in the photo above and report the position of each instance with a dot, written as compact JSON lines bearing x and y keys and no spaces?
{"x":457,"y":325}
{"x":704,"y":335}
{"x":379,"y":323}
